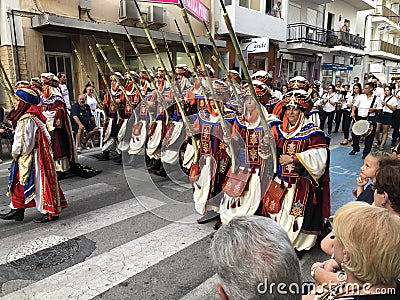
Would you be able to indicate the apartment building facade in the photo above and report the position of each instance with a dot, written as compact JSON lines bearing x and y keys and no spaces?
{"x":382,"y":33}
{"x":40,"y":36}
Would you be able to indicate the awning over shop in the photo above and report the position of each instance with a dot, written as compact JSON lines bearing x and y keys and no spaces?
{"x":66,"y":24}
{"x":380,"y":76}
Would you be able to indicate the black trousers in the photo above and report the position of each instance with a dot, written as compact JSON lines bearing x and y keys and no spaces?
{"x":324,"y":116}
{"x":346,"y":123}
{"x":369,"y":139}
{"x":396,"y":125}
{"x":338,"y":118}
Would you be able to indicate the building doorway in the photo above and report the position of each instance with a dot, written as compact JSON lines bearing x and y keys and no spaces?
{"x":61,"y":63}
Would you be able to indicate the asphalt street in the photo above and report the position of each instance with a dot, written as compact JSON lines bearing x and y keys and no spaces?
{"x":127,"y":235}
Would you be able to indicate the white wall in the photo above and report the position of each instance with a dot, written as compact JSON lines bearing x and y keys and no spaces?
{"x":248,"y":22}
{"x":303,"y":6}
{"x":5,"y":28}
{"x":346,"y":11}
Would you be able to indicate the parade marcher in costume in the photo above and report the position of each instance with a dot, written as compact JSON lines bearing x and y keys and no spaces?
{"x":158,"y":128}
{"x":194,"y":96}
{"x":233,"y":102}
{"x":174,"y":141}
{"x":137,"y":146}
{"x":214,"y":160}
{"x":263,"y":93}
{"x":112,"y":106}
{"x":298,"y":198}
{"x":275,"y":96}
{"x":243,"y":188}
{"x":54,"y":109}
{"x":33,"y":180}
{"x":129,"y":105}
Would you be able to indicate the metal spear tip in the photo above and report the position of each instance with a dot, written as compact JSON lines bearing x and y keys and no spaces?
{"x":138,"y":8}
{"x":223,"y":6}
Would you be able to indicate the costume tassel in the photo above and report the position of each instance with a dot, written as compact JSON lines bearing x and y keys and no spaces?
{"x":314,"y":200}
{"x":295,"y":226}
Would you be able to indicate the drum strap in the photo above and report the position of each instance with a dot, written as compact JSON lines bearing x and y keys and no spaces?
{"x":372,"y":105}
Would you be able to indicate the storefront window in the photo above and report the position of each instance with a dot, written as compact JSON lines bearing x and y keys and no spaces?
{"x":252,"y":4}
{"x":244,"y":3}
{"x":255,"y":4}
{"x":292,"y":68}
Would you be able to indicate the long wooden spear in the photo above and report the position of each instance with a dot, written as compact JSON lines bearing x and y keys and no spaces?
{"x":153,"y":84}
{"x":133,"y":81}
{"x":239,"y":54}
{"x":185,"y":120}
{"x":103,"y":77}
{"x":200,"y":57}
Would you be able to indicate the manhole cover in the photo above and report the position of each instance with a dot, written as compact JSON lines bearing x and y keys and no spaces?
{"x":42,"y":253}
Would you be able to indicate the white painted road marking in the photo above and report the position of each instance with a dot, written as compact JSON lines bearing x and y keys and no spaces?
{"x":107,"y":270}
{"x":82,"y":224}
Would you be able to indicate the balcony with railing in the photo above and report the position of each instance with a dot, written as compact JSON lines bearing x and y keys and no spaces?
{"x":387,"y":13}
{"x":305,"y":33}
{"x":342,"y":38}
{"x":378,"y":45}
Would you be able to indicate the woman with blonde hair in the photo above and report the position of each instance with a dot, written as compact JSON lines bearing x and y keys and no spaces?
{"x":368,"y":255}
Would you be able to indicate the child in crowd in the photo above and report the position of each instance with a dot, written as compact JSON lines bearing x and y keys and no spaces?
{"x":368,"y":172}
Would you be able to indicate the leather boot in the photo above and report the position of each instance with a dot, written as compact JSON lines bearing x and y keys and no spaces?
{"x":14,"y":214}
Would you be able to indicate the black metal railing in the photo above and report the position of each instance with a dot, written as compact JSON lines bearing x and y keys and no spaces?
{"x":342,"y":38}
{"x":301,"y":32}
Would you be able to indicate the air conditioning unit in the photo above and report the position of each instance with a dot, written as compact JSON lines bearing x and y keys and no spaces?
{"x":156,"y":15}
{"x":128,"y":10}
{"x":85,"y":4}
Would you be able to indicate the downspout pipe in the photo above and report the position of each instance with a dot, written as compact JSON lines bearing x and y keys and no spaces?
{"x":16,"y":45}
{"x":12,"y":48}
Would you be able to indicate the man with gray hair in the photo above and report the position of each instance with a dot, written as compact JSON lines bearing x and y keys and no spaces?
{"x":254,"y":259}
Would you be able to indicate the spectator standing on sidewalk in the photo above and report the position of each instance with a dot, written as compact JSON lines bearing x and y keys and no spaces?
{"x":90,"y":97}
{"x":64,"y":90}
{"x":367,"y":106}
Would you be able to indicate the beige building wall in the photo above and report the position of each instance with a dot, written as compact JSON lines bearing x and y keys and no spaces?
{"x":31,"y":54}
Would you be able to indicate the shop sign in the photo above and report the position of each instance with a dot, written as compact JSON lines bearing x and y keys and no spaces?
{"x":376,"y":68}
{"x":256,"y":45}
{"x":195,"y":7}
{"x":337,"y":67}
{"x":394,"y":70}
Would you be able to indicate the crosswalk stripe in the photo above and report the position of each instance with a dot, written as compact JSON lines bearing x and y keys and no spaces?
{"x":204,"y":290}
{"x":107,"y":270}
{"x":94,"y":190}
{"x":81,"y":224}
{"x":174,"y":187}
